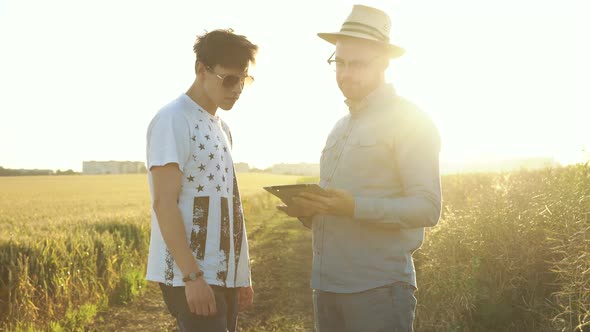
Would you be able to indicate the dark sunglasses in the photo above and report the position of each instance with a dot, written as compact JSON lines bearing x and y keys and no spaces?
{"x":229,"y":81}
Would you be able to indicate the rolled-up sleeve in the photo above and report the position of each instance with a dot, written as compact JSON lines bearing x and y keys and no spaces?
{"x":417,"y":150}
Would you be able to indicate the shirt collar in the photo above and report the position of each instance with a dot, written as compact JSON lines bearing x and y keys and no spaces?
{"x":195,"y":107}
{"x":381,"y":93}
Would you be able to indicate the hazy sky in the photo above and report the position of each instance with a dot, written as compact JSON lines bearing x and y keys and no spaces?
{"x":80,"y":80}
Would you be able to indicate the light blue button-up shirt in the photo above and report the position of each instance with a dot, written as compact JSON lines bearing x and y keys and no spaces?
{"x":385,"y":152}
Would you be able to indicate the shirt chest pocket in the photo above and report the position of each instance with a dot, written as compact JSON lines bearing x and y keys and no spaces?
{"x":366,"y":154}
{"x":364,"y":142}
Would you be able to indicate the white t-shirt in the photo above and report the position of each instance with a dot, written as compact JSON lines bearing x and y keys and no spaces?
{"x":183,"y":133}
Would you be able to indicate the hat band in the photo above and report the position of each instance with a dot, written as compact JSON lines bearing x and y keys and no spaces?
{"x":363,"y":28}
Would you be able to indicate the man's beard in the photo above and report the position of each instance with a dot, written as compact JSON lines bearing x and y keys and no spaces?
{"x":351,"y":89}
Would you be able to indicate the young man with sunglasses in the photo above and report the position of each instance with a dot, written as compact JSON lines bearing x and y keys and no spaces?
{"x":380,"y":167}
{"x":198,"y":249}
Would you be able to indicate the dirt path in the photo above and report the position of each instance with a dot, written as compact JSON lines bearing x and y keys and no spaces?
{"x":281,"y":256}
{"x":147,"y":313}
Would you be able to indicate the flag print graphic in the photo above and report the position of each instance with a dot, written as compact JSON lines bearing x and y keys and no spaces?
{"x":199,"y":231}
{"x":217,"y":229}
{"x":209,"y":200}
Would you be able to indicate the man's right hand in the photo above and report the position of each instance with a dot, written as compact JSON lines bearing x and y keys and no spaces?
{"x":200,"y":297}
{"x":302,"y":207}
{"x":296,"y":211}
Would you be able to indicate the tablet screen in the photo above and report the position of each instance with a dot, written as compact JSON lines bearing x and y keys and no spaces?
{"x":287,"y":192}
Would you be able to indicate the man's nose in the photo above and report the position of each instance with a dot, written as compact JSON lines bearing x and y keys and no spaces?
{"x":238,"y":87}
{"x":345,"y":71}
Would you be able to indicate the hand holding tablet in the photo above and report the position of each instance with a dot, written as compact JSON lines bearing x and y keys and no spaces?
{"x":286,"y":192}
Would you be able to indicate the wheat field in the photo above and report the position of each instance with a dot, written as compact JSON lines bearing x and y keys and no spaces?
{"x":511,"y":252}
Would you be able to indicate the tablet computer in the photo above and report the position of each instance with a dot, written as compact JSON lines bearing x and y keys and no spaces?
{"x":287,"y":192}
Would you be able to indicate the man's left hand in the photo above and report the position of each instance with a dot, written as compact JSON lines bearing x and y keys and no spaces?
{"x":336,"y":203}
{"x":245,"y":297}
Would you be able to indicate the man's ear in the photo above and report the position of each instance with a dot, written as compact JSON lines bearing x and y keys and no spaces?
{"x":384,"y":63}
{"x":200,"y":68}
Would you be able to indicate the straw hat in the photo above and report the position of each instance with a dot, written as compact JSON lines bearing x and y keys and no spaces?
{"x":366,"y":23}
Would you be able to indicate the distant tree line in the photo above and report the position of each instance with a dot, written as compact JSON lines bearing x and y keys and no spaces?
{"x":259,"y":170}
{"x":30,"y":172}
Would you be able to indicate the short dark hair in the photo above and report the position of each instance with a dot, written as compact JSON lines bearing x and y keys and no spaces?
{"x":225,"y":48}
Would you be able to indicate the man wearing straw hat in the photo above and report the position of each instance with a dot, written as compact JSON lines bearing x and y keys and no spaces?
{"x":380,"y":169}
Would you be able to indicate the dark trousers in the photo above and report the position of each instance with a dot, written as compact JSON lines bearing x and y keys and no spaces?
{"x":225,"y":320}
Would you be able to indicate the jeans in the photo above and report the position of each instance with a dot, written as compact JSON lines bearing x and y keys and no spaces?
{"x":225,"y":320}
{"x":384,"y":309}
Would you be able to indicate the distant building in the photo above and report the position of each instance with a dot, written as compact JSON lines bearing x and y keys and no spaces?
{"x":242,"y":167}
{"x":113,"y":167}
{"x":296,"y":169}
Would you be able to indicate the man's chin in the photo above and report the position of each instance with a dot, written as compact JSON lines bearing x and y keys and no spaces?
{"x":353,"y":95}
{"x":349,"y":92}
{"x":227,"y":106}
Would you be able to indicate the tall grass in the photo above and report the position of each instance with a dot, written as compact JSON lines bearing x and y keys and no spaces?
{"x":511,"y":253}
{"x":69,"y":246}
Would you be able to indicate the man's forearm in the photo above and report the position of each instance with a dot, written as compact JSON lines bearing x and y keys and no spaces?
{"x":174,"y":235}
{"x":403,"y":212}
